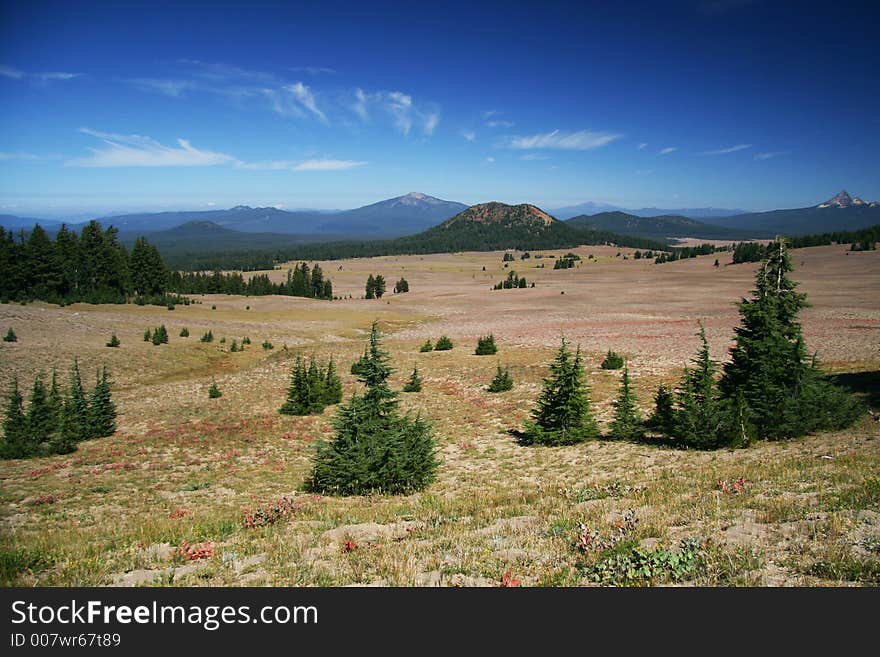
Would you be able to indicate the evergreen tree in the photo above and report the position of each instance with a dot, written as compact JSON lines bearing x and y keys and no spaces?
{"x":426,"y":347}
{"x":415,"y":382}
{"x":370,"y":287}
{"x":359,"y":363}
{"x":332,"y":386}
{"x":628,"y":422}
{"x":184,"y":332}
{"x":443,"y":344}
{"x":305,"y":395}
{"x":784,"y":390}
{"x":562,"y":415}
{"x":234,"y":347}
{"x":699,"y":419}
{"x":41,"y":421}
{"x":502,"y":381}
{"x":486,"y":346}
{"x":10,"y":336}
{"x":208,"y":336}
{"x":401,"y":286}
{"x":75,"y":415}
{"x":374,"y":449}
{"x":56,"y":401}
{"x":613,"y":361}
{"x":102,"y":410}
{"x":663,"y":416}
{"x":214,"y":391}
{"x":16,"y":444}
{"x":317,"y":282}
{"x":147,"y":335}
{"x":114,"y":341}
{"x":379,"y":286}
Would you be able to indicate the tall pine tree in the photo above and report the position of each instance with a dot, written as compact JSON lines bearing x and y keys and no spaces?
{"x":16,"y":444}
{"x":784,"y":390}
{"x":628,"y":423}
{"x":102,"y":410}
{"x":374,"y":449}
{"x":75,"y":415}
{"x":699,"y":421}
{"x":562,"y":414}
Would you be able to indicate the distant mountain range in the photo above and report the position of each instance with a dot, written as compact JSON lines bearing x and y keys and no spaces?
{"x":591,"y":208}
{"x":661,"y":227}
{"x":426,"y":218}
{"x":839,"y":213}
{"x":403,"y":215}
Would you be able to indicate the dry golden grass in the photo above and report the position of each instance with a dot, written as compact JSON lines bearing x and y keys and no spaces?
{"x":185,"y":468}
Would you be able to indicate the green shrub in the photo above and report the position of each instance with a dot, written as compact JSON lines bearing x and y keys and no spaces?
{"x":443,"y":344}
{"x":613,"y":361}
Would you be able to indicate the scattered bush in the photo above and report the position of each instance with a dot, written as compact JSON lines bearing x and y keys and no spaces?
{"x":214,"y":391}
{"x":10,"y":336}
{"x":486,"y":346}
{"x":443,"y":344}
{"x":415,"y":382}
{"x":502,"y":381}
{"x":208,"y":336}
{"x":613,"y":361}
{"x":114,"y":341}
{"x":427,"y":346}
{"x":184,"y":332}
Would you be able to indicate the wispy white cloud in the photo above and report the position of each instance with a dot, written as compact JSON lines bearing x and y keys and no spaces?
{"x":533,"y":156}
{"x":306,"y":98}
{"x":490,"y":113}
{"x":139,"y":151}
{"x":360,"y":104}
{"x":490,"y":160}
{"x":173,"y":88}
{"x":725,"y":151}
{"x":770,"y":154}
{"x":641,"y":146}
{"x":499,"y":123}
{"x":328,"y":165}
{"x":313,"y":70}
{"x":469,"y":135}
{"x":404,"y":112}
{"x":47,"y":76}
{"x":668,"y":150}
{"x":582,"y":140}
{"x":29,"y":157}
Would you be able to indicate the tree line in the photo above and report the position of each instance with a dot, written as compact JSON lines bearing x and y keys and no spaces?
{"x":302,"y":281}
{"x":54,"y":422}
{"x":94,"y":267}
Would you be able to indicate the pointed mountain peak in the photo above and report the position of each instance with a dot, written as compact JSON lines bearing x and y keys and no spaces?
{"x":842,"y":200}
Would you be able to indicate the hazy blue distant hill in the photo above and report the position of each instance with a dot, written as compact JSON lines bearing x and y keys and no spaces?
{"x":591,"y":208}
{"x":840,"y":213}
{"x":660,"y":227}
{"x":12,"y":222}
{"x":403,"y":215}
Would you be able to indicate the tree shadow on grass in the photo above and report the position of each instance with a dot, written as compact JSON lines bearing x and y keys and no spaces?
{"x":864,"y":384}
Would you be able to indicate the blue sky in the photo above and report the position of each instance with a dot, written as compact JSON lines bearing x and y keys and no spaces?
{"x":117,"y":106}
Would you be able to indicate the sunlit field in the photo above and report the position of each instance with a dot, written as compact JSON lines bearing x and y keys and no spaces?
{"x":170,"y":498}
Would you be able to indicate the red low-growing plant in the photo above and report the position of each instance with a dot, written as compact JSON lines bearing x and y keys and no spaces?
{"x":509,"y":581}
{"x":349,"y":546}
{"x":733,"y":487}
{"x":269,"y":512}
{"x":44,"y":499}
{"x":196,"y":552}
{"x":179,"y":513}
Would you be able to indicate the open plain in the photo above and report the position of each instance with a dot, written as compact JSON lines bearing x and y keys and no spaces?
{"x":184,"y":470}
